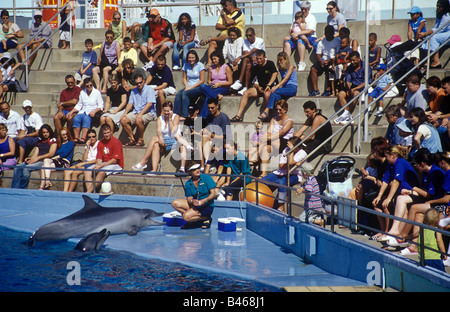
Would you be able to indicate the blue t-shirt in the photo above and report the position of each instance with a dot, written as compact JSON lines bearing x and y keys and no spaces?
{"x":404,"y":173}
{"x":193,"y":73}
{"x":89,"y":57}
{"x":205,"y":185}
{"x":432,"y":182}
{"x":356,"y":77}
{"x":218,"y":125}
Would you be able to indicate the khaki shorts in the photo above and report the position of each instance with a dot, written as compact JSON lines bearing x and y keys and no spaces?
{"x":146,"y":117}
{"x":115,"y":117}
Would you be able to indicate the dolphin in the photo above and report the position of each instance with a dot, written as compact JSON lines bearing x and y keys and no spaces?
{"x":93,"y":218}
{"x":93,"y":241}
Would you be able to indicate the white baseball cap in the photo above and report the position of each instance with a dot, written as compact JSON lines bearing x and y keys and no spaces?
{"x":27,"y":103}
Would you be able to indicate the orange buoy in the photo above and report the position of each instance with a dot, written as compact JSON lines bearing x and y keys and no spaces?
{"x":265,"y":195}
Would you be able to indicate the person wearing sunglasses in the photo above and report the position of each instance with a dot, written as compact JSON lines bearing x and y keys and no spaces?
{"x":118,"y":27}
{"x":90,"y":103}
{"x":14,"y":32}
{"x":108,"y":61}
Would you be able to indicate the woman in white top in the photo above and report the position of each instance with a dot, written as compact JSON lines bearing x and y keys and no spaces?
{"x":280,"y":130}
{"x":89,"y":104}
{"x":168,"y":133}
{"x":88,"y":161}
{"x":232,"y":49}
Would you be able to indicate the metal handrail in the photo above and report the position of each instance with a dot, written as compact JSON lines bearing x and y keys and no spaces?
{"x":25,"y":46}
{"x":365,"y":91}
{"x":334,"y":219}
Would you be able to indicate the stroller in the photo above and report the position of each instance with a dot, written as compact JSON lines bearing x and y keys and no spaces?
{"x":335,"y":181}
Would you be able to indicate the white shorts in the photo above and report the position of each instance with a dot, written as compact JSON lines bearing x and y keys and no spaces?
{"x":64,"y":35}
{"x":78,"y":77}
{"x":114,"y":168}
{"x":167,"y":91}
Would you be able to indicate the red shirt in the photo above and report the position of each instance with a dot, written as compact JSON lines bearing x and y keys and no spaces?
{"x":111,"y":149}
{"x":67,"y":95}
{"x":161,"y":30}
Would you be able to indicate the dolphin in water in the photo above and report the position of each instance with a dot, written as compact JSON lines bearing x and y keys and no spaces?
{"x":93,"y":218}
{"x":93,"y":241}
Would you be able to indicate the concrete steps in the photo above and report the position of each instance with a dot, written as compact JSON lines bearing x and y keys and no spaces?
{"x":51,"y":66}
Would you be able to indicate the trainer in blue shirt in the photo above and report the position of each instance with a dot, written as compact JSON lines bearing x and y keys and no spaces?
{"x":198,"y":205}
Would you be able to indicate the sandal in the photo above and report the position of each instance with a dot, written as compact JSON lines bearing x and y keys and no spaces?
{"x":131,"y":143}
{"x":236,"y":118}
{"x":204,"y":42}
{"x":206,"y":224}
{"x":140,"y":143}
{"x":263,"y":117}
{"x":82,"y":141}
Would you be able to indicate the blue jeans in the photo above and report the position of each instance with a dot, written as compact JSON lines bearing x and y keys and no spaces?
{"x":176,"y":52}
{"x":183,"y":100}
{"x":272,"y":177}
{"x":210,"y":93}
{"x":282,"y":93}
{"x":22,"y":173}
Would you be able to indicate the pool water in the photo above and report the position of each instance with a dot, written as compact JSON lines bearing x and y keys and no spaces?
{"x":44,"y":267}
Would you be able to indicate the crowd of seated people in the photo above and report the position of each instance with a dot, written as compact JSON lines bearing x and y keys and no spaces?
{"x":194,"y":125}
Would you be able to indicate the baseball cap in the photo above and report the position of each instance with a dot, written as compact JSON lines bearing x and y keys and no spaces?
{"x":405,"y":125}
{"x":6,"y":55}
{"x":153,"y":12}
{"x":27,"y":103}
{"x":192,"y":108}
{"x":382,"y":66}
{"x":307,"y":168}
{"x":394,"y":39}
{"x":414,"y":9}
{"x":37,"y":13}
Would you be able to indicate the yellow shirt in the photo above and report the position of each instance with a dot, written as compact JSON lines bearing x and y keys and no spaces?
{"x":239,"y":18}
{"x":130,"y":54}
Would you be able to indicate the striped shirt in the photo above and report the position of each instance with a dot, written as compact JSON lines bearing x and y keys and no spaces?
{"x":312,"y":187}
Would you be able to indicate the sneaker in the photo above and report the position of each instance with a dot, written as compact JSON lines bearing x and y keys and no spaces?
{"x":301,"y":66}
{"x":148,"y":65}
{"x":326,"y":93}
{"x":346,"y":119}
{"x":176,"y":67}
{"x":242,"y":91}
{"x":379,"y":113}
{"x":314,"y":93}
{"x":236,"y":85}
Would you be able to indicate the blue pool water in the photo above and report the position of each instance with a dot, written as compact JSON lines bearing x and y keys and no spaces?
{"x":44,"y":268}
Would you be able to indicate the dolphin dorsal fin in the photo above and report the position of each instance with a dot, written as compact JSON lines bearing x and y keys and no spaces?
{"x":89,"y":203}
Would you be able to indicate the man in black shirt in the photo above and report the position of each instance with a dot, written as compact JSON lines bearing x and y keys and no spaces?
{"x":218,"y":128}
{"x":265,"y":72}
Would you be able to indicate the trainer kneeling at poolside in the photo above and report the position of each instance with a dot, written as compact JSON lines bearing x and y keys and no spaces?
{"x":198,"y":206}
